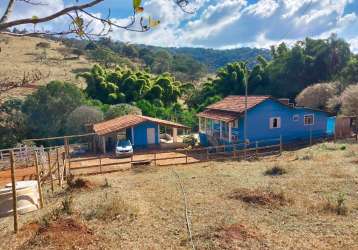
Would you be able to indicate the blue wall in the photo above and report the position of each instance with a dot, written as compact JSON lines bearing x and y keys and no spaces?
{"x":140,"y":133}
{"x":258,"y":123}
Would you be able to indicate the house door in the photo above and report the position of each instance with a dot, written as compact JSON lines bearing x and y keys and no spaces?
{"x":150,"y":135}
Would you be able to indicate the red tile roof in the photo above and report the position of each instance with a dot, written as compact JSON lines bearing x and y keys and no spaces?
{"x":127,"y":121}
{"x":219,"y":115}
{"x":237,"y":103}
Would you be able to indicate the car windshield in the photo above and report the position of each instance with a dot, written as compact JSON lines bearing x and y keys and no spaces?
{"x":125,"y":143}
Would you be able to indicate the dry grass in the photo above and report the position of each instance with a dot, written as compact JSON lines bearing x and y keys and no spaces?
{"x":112,"y":208}
{"x":219,"y":222}
{"x":19,"y":55}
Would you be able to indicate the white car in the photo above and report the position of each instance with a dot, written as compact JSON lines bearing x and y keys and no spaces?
{"x":124,"y":148}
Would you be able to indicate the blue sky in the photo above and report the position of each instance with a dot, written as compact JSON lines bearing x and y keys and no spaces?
{"x":227,"y":23}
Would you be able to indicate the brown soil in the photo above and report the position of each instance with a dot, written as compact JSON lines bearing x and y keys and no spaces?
{"x":238,"y":232}
{"x":80,"y":183}
{"x":64,"y":233}
{"x":259,"y":197}
{"x":235,"y":236}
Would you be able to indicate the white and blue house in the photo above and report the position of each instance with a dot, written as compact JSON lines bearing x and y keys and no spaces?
{"x":142,"y":131}
{"x":267,"y":118}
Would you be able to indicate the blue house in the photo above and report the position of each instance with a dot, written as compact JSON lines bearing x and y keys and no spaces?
{"x":267,"y":118}
{"x":142,"y":131}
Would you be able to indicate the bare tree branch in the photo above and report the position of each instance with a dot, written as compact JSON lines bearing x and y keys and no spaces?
{"x":78,"y":25}
{"x":8,"y":11}
{"x":6,"y":25}
{"x":26,"y":81}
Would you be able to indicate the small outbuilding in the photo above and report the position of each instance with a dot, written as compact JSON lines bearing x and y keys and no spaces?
{"x":346,"y":126}
{"x":142,"y":131}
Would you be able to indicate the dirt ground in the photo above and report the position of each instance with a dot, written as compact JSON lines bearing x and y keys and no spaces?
{"x":119,"y":164}
{"x":312,"y":204}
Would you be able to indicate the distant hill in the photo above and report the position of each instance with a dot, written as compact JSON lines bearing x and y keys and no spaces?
{"x":52,"y":60}
{"x":215,"y":59}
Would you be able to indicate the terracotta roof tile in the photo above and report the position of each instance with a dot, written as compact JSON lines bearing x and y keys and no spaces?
{"x":219,"y":115}
{"x":237,"y":103}
{"x":127,"y":121}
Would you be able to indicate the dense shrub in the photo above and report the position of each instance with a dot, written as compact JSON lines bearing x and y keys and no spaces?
{"x":121,"y":110}
{"x":317,"y":95}
{"x":82,"y":117}
{"x":349,"y":100}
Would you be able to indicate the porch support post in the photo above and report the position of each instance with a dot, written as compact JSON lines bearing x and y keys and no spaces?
{"x":132,"y":132}
{"x":221,"y":130}
{"x":200,"y":124}
{"x":205,"y":124}
{"x":104,"y":144}
{"x":230,"y":132}
{"x":212,"y":127}
{"x":175,"y":135}
{"x":158,"y":134}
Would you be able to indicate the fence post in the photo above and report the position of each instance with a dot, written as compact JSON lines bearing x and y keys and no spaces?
{"x":257,"y":149}
{"x":13,"y":185}
{"x":50,"y":169}
{"x":280,"y":144}
{"x":58,"y":167}
{"x":64,"y":164}
{"x":155,"y":159}
{"x":245,"y":146}
{"x":207,"y":154}
{"x":100,"y":163}
{"x":186,"y":156}
{"x":39,"y":180}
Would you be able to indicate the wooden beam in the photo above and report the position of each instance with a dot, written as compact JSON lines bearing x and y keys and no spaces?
{"x":50,"y":169}
{"x":58,"y":137}
{"x":39,"y":180}
{"x":104,"y":144}
{"x":14,"y":197}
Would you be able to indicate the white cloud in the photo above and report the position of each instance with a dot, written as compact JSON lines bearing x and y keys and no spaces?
{"x":229,"y":23}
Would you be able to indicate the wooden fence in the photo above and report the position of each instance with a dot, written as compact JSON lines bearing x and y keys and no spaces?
{"x":99,"y":164}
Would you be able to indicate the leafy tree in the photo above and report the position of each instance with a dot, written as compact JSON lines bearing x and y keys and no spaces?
{"x":130,"y":51}
{"x":121,"y":110}
{"x":12,"y":123}
{"x":231,"y":79}
{"x":349,"y":99}
{"x":349,"y":74}
{"x":47,"y":109}
{"x":82,"y":117}
{"x":108,"y":58}
{"x":123,"y":85}
{"x":162,"y":62}
{"x":317,"y":95}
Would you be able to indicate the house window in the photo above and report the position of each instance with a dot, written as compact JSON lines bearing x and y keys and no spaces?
{"x":296,"y":118}
{"x":308,"y":119}
{"x":275,"y":122}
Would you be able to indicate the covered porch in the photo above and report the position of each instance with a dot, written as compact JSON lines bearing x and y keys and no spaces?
{"x":219,"y":127}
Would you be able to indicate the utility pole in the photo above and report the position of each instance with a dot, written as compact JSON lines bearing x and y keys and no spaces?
{"x":245,"y":118}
